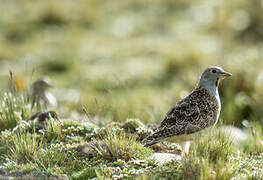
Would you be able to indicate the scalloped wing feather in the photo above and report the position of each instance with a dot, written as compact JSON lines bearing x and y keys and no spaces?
{"x":195,"y":112}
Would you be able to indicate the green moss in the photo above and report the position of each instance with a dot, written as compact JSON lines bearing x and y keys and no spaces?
{"x":132,"y":124}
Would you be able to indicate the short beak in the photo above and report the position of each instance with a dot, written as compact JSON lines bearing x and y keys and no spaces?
{"x":226,"y":74}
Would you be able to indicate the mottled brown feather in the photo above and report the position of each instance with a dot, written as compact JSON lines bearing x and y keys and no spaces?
{"x":195,"y":112}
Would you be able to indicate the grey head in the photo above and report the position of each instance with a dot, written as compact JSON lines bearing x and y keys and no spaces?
{"x":211,"y":77}
{"x":41,"y":85}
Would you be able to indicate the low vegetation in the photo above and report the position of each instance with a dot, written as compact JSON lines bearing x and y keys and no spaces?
{"x":117,"y":67}
{"x":84,"y":151}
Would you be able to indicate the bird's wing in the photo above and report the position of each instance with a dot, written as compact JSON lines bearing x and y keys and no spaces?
{"x":182,"y":114}
{"x":198,"y":108}
{"x":177,"y":121}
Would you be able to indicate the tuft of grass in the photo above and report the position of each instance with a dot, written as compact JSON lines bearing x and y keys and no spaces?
{"x":210,"y":158}
{"x":198,"y":167}
{"x":52,"y":130}
{"x":14,"y":108}
{"x":33,"y":150}
{"x":225,"y":170}
{"x":214,"y":146}
{"x":255,"y":144}
{"x":58,"y":158}
{"x":195,"y":167}
{"x":24,"y":147}
{"x":121,"y":146}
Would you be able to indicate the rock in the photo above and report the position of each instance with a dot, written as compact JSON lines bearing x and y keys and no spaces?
{"x":2,"y":171}
{"x":90,"y":150}
{"x":62,"y":177}
{"x":159,"y":147}
{"x":162,"y":158}
{"x":5,"y":178}
{"x":86,"y":150}
{"x":4,"y":175}
{"x":34,"y":176}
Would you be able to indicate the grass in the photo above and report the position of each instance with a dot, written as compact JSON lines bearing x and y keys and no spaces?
{"x":125,"y":64}
{"x":24,"y":147}
{"x":121,"y":146}
{"x":115,"y":152}
{"x":219,"y":147}
{"x":14,"y":109}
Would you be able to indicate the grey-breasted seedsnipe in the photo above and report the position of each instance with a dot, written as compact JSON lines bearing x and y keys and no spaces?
{"x":40,"y":93}
{"x":197,"y":111}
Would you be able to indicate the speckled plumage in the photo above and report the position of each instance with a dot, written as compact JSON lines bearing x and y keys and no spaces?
{"x":41,"y":118}
{"x":198,"y":111}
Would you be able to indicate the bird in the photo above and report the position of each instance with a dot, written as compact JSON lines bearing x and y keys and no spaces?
{"x":41,"y":117}
{"x":197,"y":111}
{"x":40,"y":93}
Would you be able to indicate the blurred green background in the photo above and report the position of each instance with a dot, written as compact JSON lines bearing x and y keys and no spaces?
{"x":135,"y":58}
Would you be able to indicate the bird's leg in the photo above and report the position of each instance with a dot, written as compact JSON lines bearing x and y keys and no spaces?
{"x":186,"y":147}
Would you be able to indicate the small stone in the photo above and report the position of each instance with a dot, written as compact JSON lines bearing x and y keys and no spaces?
{"x":163,"y":158}
{"x":2,"y":171}
{"x":86,"y":150}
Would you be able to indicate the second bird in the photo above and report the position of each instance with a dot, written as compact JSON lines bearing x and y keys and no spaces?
{"x":40,"y":93}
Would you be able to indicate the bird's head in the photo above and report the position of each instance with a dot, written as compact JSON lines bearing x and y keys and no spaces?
{"x":212,"y":76}
{"x":43,"y":116}
{"x":42,"y":84}
{"x":53,"y":114}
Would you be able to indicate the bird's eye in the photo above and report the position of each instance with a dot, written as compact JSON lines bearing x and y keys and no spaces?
{"x":213,"y":71}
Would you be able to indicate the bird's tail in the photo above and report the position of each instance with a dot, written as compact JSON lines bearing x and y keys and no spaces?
{"x":155,"y":138}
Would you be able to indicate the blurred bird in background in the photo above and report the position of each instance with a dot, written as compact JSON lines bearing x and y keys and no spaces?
{"x":40,"y":94}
